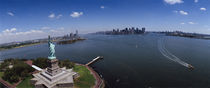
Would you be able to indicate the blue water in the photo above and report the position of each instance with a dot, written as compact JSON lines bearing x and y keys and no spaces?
{"x":134,"y":61}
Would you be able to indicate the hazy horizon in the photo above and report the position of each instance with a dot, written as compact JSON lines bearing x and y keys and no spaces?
{"x":32,"y":19}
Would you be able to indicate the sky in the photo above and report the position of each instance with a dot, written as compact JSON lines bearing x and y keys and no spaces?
{"x":32,"y":19}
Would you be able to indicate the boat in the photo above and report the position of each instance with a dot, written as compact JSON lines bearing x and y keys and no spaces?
{"x":190,"y":67}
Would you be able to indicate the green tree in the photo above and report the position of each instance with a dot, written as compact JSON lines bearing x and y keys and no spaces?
{"x":66,"y":63}
{"x":40,"y":62}
{"x":14,"y":78}
{"x":10,"y":76}
{"x":19,"y":70}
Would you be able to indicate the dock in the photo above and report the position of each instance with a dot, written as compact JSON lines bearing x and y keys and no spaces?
{"x":94,"y":60}
{"x":99,"y":81}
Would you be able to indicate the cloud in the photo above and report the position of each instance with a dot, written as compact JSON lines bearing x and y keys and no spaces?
{"x":182,"y":23}
{"x":10,"y":13}
{"x":16,"y":35}
{"x":45,"y":28}
{"x":175,"y":11}
{"x":203,"y":9}
{"x":188,"y":23}
{"x":195,"y":1}
{"x":172,"y":2}
{"x":59,"y":16}
{"x":12,"y":35}
{"x":29,"y":32}
{"x":52,"y":15}
{"x":76,"y":14}
{"x":13,"y":31}
{"x":191,"y":23}
{"x":61,"y":28}
{"x":183,"y":12}
{"x":9,"y":30}
{"x":102,"y":7}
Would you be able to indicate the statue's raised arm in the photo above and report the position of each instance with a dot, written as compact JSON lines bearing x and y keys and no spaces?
{"x":52,"y":49}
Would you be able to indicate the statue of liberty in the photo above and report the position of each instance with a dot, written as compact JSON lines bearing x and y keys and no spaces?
{"x":52,"y":49}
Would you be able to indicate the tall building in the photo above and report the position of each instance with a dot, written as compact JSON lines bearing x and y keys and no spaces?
{"x":143,"y":29}
{"x":76,"y":32}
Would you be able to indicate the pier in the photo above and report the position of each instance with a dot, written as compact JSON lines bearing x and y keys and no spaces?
{"x":99,"y":81}
{"x":94,"y":60}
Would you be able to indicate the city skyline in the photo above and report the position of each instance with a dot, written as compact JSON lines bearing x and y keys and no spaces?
{"x":32,"y":19}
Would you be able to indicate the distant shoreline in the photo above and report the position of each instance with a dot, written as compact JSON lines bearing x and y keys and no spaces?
{"x":32,"y":44}
{"x":21,"y":46}
{"x":70,"y":41}
{"x":185,"y":34}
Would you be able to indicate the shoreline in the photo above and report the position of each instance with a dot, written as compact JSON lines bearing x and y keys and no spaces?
{"x":63,"y":42}
{"x":70,"y":41}
{"x":2,"y":49}
{"x":99,"y":81}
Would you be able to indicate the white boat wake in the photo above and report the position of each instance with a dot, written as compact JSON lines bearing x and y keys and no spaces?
{"x":167,"y":54}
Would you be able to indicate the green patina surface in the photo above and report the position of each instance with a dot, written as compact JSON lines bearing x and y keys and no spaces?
{"x":52,"y":49}
{"x":86,"y":79}
{"x":26,"y":83}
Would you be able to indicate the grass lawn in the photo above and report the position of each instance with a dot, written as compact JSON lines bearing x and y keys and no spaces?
{"x":1,"y":74}
{"x":86,"y":79}
{"x":26,"y":83}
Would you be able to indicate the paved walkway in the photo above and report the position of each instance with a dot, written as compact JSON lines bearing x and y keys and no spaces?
{"x":5,"y":83}
{"x":99,"y":81}
{"x":29,"y":62}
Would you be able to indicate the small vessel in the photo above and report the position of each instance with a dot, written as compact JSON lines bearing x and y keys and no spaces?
{"x":190,"y":67}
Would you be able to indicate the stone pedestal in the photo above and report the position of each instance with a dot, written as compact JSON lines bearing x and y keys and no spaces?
{"x":54,"y":76}
{"x":53,"y":67}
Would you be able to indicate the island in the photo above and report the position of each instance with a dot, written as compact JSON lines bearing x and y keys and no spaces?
{"x":66,"y":39}
{"x":18,"y":72}
{"x":18,"y":45}
{"x":48,"y":72}
{"x":70,"y":38}
{"x":185,"y":34}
